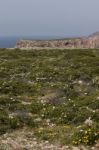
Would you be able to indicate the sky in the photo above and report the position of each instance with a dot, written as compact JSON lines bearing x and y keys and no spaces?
{"x":48,"y":17}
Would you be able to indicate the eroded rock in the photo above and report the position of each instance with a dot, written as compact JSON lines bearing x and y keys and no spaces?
{"x":91,"y":41}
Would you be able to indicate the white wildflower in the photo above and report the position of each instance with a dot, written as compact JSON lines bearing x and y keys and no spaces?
{"x":89,"y":121}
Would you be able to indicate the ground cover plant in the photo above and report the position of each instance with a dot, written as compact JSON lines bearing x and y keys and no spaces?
{"x":54,"y":93}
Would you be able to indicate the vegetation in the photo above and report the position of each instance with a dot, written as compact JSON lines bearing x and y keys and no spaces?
{"x":53,"y":92}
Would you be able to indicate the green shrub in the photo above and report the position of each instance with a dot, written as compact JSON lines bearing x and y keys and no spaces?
{"x":86,"y":135}
{"x":14,"y":123}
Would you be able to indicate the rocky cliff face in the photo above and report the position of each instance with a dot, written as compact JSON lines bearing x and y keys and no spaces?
{"x":91,"y":41}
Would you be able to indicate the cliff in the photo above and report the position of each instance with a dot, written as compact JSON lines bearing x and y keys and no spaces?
{"x":91,"y":41}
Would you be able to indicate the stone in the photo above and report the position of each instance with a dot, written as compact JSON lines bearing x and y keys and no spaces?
{"x":91,"y":41}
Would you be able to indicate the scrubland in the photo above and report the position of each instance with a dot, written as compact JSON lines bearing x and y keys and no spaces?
{"x":53,"y":94}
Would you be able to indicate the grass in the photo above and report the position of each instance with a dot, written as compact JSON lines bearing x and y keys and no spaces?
{"x":53,"y":92}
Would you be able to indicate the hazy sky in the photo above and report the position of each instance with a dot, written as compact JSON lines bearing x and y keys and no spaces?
{"x":48,"y":17}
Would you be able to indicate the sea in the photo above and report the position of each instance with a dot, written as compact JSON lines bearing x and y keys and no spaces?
{"x":10,"y":42}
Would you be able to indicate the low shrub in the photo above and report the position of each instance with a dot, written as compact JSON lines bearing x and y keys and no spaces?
{"x":86,"y":135}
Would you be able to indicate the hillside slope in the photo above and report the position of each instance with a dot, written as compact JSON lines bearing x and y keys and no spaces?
{"x":54,"y":94}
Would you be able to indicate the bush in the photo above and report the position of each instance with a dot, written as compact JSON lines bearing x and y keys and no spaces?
{"x":86,"y":135}
{"x":14,"y":123}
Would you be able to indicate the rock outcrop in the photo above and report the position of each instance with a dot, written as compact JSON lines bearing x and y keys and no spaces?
{"x":91,"y":41}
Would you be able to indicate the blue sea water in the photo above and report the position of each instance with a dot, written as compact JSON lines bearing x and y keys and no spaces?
{"x":7,"y":42}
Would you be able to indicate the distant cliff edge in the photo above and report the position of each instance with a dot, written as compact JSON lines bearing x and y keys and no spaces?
{"x":91,"y":41}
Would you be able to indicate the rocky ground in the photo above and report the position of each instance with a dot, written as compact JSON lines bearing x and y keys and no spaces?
{"x":24,"y":139}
